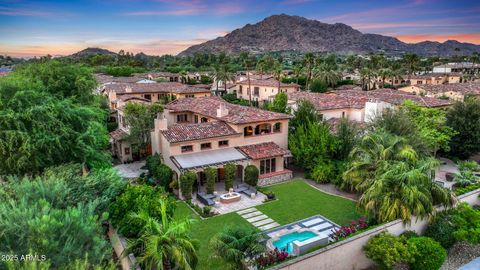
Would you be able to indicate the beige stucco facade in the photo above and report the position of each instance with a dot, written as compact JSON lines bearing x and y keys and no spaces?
{"x":416,"y":89}
{"x":261,"y":93}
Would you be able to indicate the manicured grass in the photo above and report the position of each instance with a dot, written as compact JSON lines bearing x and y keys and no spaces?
{"x":204,"y":230}
{"x":297,"y":200}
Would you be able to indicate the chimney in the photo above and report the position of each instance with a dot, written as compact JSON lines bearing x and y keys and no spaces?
{"x":128,"y":89}
{"x":222,"y":110}
{"x":161,"y":122}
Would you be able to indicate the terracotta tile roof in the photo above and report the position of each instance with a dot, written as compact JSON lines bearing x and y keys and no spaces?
{"x":356,"y":99}
{"x":118,"y":134}
{"x":161,"y":87}
{"x":469,"y":88}
{"x":263,"y":150}
{"x":103,"y":79}
{"x":267,"y":83}
{"x":237,"y":114}
{"x":125,"y":98}
{"x":435,"y":75}
{"x":190,"y":132}
{"x":162,"y":74}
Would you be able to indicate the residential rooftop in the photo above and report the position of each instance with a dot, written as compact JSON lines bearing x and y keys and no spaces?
{"x":236,"y":114}
{"x":104,"y":79}
{"x":190,"y":132}
{"x":161,"y":87}
{"x":469,"y":88}
{"x":263,"y":150}
{"x":267,"y":82}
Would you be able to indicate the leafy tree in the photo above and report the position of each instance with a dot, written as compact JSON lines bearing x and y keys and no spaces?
{"x":236,"y":244}
{"x":388,"y":250}
{"x":464,"y":118}
{"x":140,"y":120}
{"x":186,"y":184}
{"x":211,"y":176}
{"x":347,"y":136}
{"x":327,"y":75}
{"x":312,"y":143}
{"x":75,"y":133}
{"x":164,"y":243}
{"x":429,"y":254}
{"x":318,"y":86}
{"x":324,"y":172}
{"x":432,"y":126}
{"x":230,"y":169}
{"x":160,"y":172}
{"x":137,"y":199}
{"x":60,"y":80}
{"x":304,"y":113}
{"x":251,"y":175}
{"x":441,"y":230}
{"x":279,"y":103}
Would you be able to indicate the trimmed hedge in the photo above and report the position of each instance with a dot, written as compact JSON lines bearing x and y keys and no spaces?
{"x":429,"y":254}
{"x":229,"y":175}
{"x":211,"y":176}
{"x":251,"y":175}
{"x":186,"y":183}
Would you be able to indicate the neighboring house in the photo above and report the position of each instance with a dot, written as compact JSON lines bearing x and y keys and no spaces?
{"x":465,"y":68}
{"x":121,"y":148}
{"x":262,"y":90}
{"x":435,"y":78}
{"x":220,"y":91}
{"x":360,"y":106}
{"x":153,"y":91}
{"x":454,"y":91}
{"x":165,"y":76}
{"x":196,"y":133}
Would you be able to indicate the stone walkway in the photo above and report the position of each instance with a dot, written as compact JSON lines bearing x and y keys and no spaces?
{"x":131,"y":170}
{"x":258,"y":219}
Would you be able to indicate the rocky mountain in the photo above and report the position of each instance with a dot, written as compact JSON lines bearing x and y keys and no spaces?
{"x":294,"y":33}
{"x":91,"y":51}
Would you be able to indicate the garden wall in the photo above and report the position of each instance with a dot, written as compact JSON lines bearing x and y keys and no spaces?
{"x":119,"y":244}
{"x":348,"y":254}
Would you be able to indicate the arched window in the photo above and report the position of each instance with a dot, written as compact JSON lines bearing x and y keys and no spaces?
{"x":247,"y":131}
{"x":277,"y":127}
{"x":263,"y":129}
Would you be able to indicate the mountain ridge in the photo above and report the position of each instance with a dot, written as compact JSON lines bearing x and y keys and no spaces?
{"x":294,"y":33}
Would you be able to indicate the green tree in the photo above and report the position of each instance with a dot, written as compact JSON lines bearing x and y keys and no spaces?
{"x":308,"y":63}
{"x":186,"y":183}
{"x":327,"y":75}
{"x":230,"y":169}
{"x":464,"y":118}
{"x":312,"y":143}
{"x":164,"y":243}
{"x":75,"y":133}
{"x":388,"y":250}
{"x":251,"y":175}
{"x":236,"y":244}
{"x":304,"y":113}
{"x":140,"y":121}
{"x":347,"y":135}
{"x":429,"y":254}
{"x":279,"y":103}
{"x":211,"y":176}
{"x":385,"y":73}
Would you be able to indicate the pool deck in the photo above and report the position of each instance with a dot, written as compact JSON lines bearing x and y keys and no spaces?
{"x":316,"y":223}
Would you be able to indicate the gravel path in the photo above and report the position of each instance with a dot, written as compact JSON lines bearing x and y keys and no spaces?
{"x":460,"y":254}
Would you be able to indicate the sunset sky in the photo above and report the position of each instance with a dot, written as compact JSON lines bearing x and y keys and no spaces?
{"x":34,"y":28}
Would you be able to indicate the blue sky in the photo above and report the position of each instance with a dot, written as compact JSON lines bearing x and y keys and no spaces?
{"x":29,"y":28}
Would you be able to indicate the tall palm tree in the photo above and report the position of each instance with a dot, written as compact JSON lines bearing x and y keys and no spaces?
{"x":297,"y":71}
{"x":385,"y":73}
{"x":235,"y":245}
{"x":214,"y":75}
{"x":327,"y":74}
{"x":248,"y":63}
{"x":278,"y":73}
{"x":225,"y":75}
{"x":308,"y":62}
{"x":261,"y":68}
{"x":411,"y":63}
{"x":367,"y":76}
{"x":164,"y":244}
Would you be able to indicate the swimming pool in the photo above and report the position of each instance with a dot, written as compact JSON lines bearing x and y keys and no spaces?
{"x":285,"y":241}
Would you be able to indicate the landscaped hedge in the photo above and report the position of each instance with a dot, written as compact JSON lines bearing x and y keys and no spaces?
{"x":251,"y":175}
{"x":429,"y":254}
{"x":186,"y":182}
{"x":229,"y":175}
{"x":463,"y":190}
{"x":161,"y":173}
{"x":211,"y":176}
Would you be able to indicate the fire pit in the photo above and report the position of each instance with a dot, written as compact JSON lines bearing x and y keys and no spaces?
{"x":230,"y":197}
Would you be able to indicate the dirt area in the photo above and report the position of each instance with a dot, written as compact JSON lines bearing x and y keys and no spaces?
{"x":460,"y":254}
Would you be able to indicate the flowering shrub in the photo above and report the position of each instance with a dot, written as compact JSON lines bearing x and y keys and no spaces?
{"x":271,"y":257}
{"x":345,"y":231}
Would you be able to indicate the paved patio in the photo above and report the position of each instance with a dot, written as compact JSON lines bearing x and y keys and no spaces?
{"x":224,"y":208}
{"x":131,"y":170}
{"x":447,"y":166}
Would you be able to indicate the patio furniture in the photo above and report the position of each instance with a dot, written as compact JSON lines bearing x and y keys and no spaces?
{"x":245,"y":189}
{"x":206,"y":199}
{"x":252,"y":196}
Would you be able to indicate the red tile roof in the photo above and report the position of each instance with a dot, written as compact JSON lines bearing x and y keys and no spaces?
{"x":468,"y":88}
{"x":237,"y":114}
{"x":161,"y":87}
{"x":329,"y":101}
{"x":190,"y":132}
{"x":263,"y":150}
{"x":125,"y":98}
{"x":118,"y":134}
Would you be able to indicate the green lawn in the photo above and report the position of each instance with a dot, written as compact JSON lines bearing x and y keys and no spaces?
{"x":297,"y":200}
{"x":204,"y":230}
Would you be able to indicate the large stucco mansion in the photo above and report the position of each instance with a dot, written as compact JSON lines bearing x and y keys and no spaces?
{"x":196,"y":133}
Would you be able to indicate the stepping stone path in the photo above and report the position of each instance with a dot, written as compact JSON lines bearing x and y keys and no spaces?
{"x":258,"y":219}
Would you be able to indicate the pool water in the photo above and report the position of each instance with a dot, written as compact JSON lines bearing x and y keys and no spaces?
{"x":285,"y":241}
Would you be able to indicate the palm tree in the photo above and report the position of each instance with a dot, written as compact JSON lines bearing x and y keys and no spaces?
{"x":248,"y":63}
{"x":384,"y":74}
{"x":261,"y":68}
{"x":475,"y":58}
{"x":214,"y":75}
{"x":371,"y":154}
{"x":225,"y":75}
{"x":405,"y":189}
{"x":308,"y":62}
{"x":327,"y":74}
{"x":297,"y":71}
{"x":278,"y":73}
{"x":235,"y":245}
{"x":411,"y":62}
{"x":368,"y":77}
{"x":164,"y":244}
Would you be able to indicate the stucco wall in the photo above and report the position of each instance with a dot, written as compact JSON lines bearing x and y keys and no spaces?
{"x":348,"y":254}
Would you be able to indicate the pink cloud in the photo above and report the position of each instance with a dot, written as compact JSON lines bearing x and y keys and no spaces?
{"x":470,"y":38}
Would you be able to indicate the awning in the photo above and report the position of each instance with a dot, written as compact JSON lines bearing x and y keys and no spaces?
{"x":208,"y":158}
